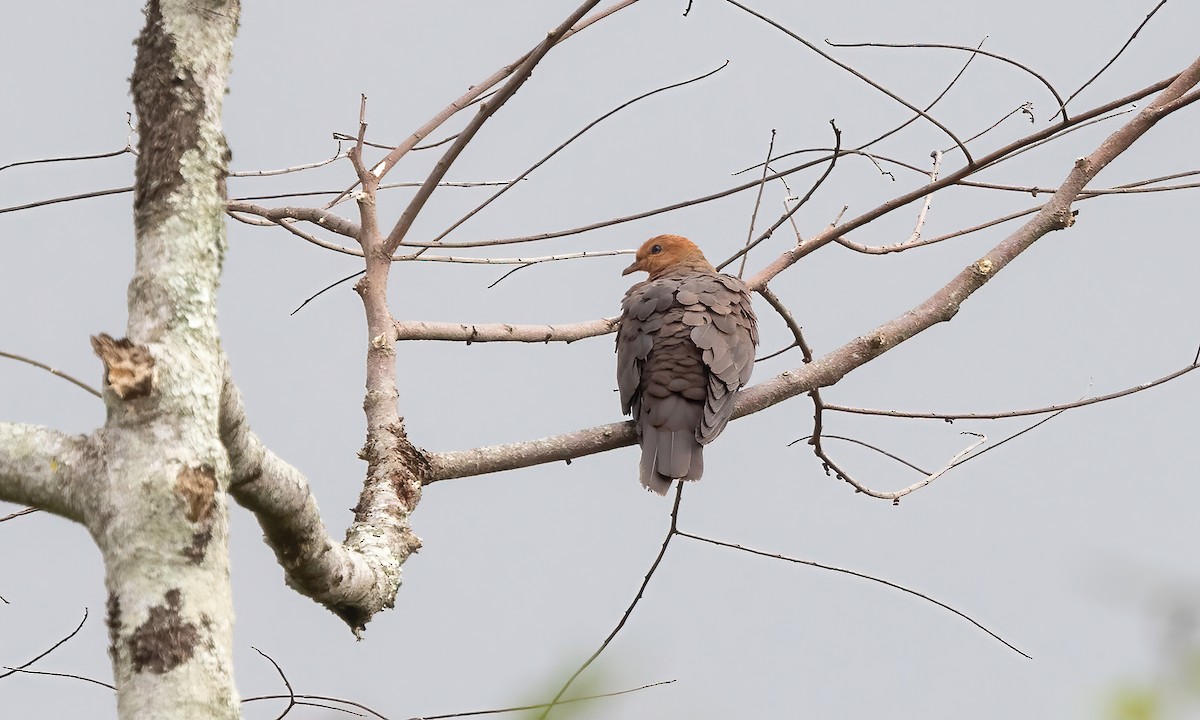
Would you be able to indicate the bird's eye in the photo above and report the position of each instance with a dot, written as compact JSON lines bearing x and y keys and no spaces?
{"x":656,"y":249}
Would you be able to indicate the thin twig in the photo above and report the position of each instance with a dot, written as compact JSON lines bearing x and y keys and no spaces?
{"x":52,"y":371}
{"x":98,"y":156}
{"x":1108,"y":64}
{"x":856,"y":574}
{"x":286,"y":683}
{"x":1026,"y":108}
{"x":67,"y":198}
{"x":831,"y":466}
{"x":325,"y":289}
{"x":525,"y":173}
{"x":1014,"y":436}
{"x":930,"y":106}
{"x":325,"y":698}
{"x":1017,"y":413}
{"x":973,"y":51}
{"x":52,"y":648}
{"x":867,"y":445}
{"x":19,"y":513}
{"x":486,"y":111}
{"x":338,"y":155}
{"x":497,"y":711}
{"x":833,"y":158}
{"x":762,"y":183}
{"x":70,"y":676}
{"x":788,"y":319}
{"x":966,"y":153}
{"x":662,"y":551}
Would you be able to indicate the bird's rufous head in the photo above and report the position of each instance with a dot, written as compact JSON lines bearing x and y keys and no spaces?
{"x":665,"y":253}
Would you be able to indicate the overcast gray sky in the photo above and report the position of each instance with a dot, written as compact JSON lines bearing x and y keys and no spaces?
{"x":1071,"y":542}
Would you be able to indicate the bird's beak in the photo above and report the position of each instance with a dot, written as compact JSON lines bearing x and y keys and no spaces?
{"x":637,"y":265}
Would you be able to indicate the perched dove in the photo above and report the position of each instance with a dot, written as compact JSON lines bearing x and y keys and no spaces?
{"x":684,"y":348}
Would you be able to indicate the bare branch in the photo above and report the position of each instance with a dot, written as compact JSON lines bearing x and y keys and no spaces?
{"x":974,"y":51}
{"x":291,"y":696}
{"x":67,"y":198}
{"x":519,"y":76}
{"x":472,"y":94}
{"x":867,"y":445}
{"x":525,"y":173}
{"x":1108,"y":64}
{"x":856,"y":574}
{"x":503,"y":332}
{"x":940,"y":307}
{"x":993,"y":158}
{"x":19,"y":513}
{"x":325,"y":289}
{"x":1143,"y":121}
{"x":51,"y":649}
{"x":52,"y":371}
{"x":1018,"y":413}
{"x":789,"y":320}
{"x":127,"y":150}
{"x":672,"y":530}
{"x":519,"y":708}
{"x":762,"y":183}
{"x":930,"y":106}
{"x":368,"y":562}
{"x":328,"y":220}
{"x":49,"y":470}
{"x":860,"y":76}
{"x":787,"y":215}
{"x":44,"y":673}
{"x":338,"y":155}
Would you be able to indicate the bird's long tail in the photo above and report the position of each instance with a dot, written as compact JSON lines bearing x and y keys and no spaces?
{"x":668,"y":456}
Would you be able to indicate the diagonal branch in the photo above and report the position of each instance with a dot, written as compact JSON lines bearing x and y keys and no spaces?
{"x":974,"y":51}
{"x":860,"y":76}
{"x":486,"y":110}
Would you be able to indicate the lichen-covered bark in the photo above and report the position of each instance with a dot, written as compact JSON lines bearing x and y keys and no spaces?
{"x":164,"y":529}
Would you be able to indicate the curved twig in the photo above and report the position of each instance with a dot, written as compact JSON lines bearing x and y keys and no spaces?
{"x":127,"y":150}
{"x":52,"y":371}
{"x":1108,"y":64}
{"x":672,"y":531}
{"x":51,"y":649}
{"x":859,"y":75}
{"x":486,"y":111}
{"x":856,"y":574}
{"x":525,"y":173}
{"x":974,"y":51}
{"x":1017,"y":413}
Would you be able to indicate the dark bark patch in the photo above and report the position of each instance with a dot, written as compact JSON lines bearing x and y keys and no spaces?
{"x":165,"y":641}
{"x":409,"y":481}
{"x":195,"y":552}
{"x":128,"y":368}
{"x":197,"y":486}
{"x":113,"y":620}
{"x":169,"y":104}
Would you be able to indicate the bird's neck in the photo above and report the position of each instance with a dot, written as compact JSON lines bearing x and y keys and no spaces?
{"x":684,"y":267}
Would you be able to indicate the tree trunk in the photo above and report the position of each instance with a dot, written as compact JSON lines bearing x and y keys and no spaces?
{"x":163,"y":531}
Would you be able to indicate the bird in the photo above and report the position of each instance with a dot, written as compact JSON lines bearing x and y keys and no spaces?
{"x":685,"y":346}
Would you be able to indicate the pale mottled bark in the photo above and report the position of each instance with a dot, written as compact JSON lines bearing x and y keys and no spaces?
{"x":162,"y":527}
{"x":49,"y":470}
{"x":355,"y":579}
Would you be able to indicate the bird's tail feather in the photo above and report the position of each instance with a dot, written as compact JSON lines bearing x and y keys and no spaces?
{"x":667,"y":456}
